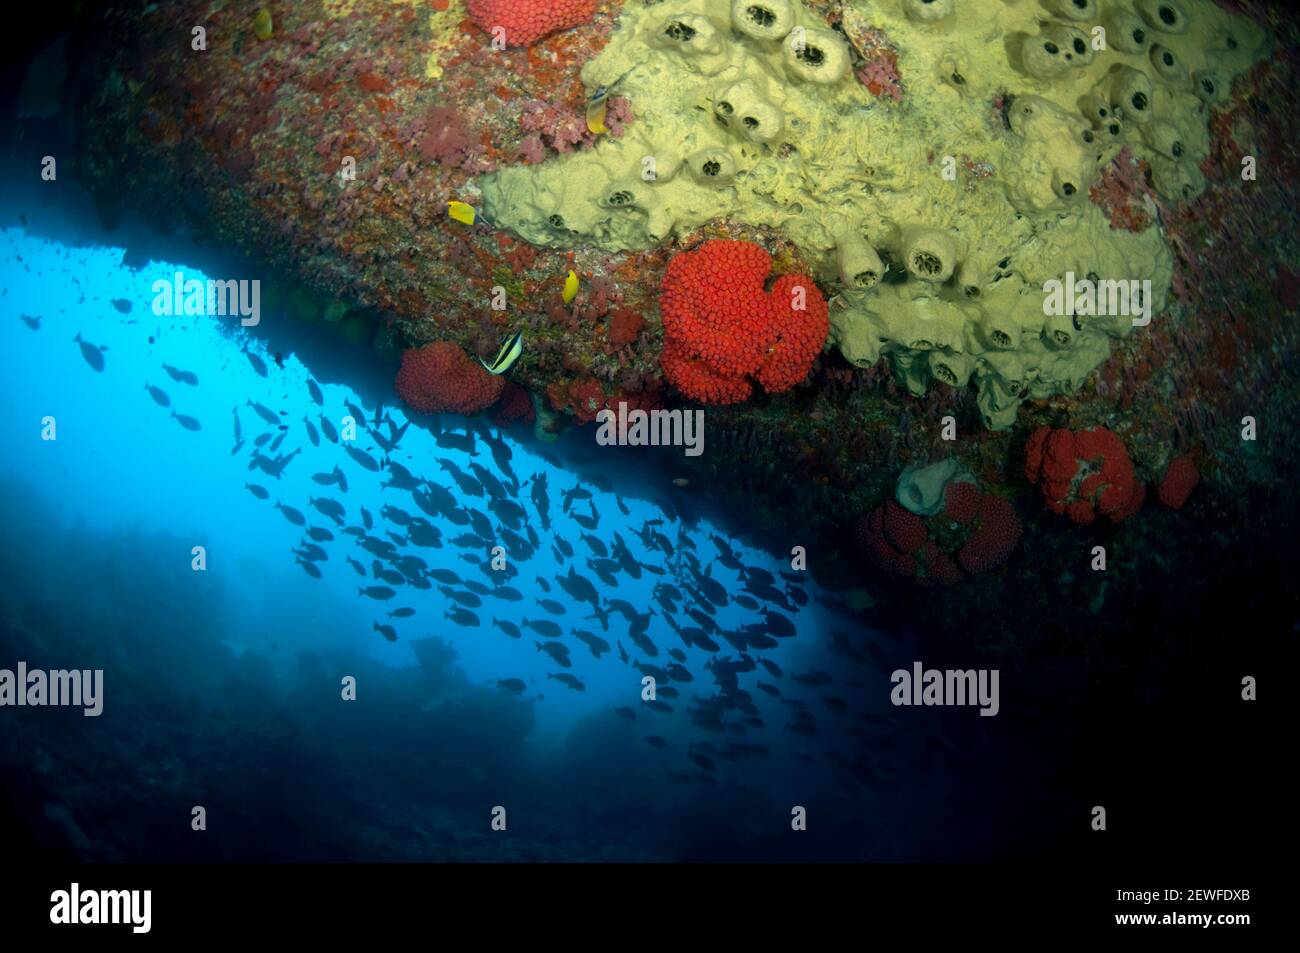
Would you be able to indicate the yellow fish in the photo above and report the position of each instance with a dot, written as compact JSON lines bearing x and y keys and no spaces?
{"x":571,"y":287}
{"x":263,"y":28}
{"x":596,"y":117}
{"x":511,"y":348}
{"x":461,"y":212}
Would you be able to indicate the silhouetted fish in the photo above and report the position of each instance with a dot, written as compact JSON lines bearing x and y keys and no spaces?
{"x":331,"y":508}
{"x":189,"y":423}
{"x":292,"y":515}
{"x":363,"y":458}
{"x":509,"y":628}
{"x":266,"y":413}
{"x":541,"y":501}
{"x":316,"y":395}
{"x":160,"y":396}
{"x":387,"y":631}
{"x":558,"y":651}
{"x":571,"y":680}
{"x":183,"y":377}
{"x":261,"y":492}
{"x":779,"y":625}
{"x":543,"y":627}
{"x":464,"y":598}
{"x":123,"y":306}
{"x":464,"y":442}
{"x":595,"y":643}
{"x":93,"y":353}
{"x":259,"y":365}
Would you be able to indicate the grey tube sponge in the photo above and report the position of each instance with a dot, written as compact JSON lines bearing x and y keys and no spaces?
{"x":1126,"y":31}
{"x":1167,"y":16}
{"x":627,"y":194}
{"x":928,"y":253}
{"x":1065,"y":187}
{"x":951,"y":367}
{"x":1167,"y":65}
{"x":999,"y":330}
{"x":712,"y":166}
{"x":744,"y":110}
{"x":1082,"y":11}
{"x":970,"y":279}
{"x":762,"y":19}
{"x":928,"y":11}
{"x":1164,"y":138}
{"x":1042,"y":57}
{"x":1073,"y":44}
{"x":815,"y":56}
{"x":1097,"y":108}
{"x":694,"y":37}
{"x":1131,"y":91}
{"x":1209,"y":86}
{"x":1059,"y":331}
{"x":860,"y":266}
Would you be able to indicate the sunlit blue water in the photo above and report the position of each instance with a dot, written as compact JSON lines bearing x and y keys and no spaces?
{"x":125,"y":480}
{"x":121,"y":460}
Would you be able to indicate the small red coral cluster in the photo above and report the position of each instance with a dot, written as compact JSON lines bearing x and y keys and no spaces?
{"x":446,"y":139}
{"x":624,"y":326}
{"x":441,"y":378}
{"x":585,"y":397}
{"x":515,"y":406}
{"x":1180,"y":479}
{"x":563,"y":127}
{"x":1083,"y":473}
{"x":980,"y":528}
{"x":722,"y":328}
{"x":527,"y":21}
{"x":582,"y":397}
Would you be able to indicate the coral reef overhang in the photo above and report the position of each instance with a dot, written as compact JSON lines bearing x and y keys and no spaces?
{"x":245,"y":141}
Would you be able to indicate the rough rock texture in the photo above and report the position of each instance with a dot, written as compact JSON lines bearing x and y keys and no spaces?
{"x":249,"y":143}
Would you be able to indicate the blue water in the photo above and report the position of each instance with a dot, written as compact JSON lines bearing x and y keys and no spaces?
{"x":247,"y":655}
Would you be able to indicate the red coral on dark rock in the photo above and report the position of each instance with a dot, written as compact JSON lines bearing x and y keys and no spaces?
{"x":802,"y":320}
{"x":697,"y":380}
{"x":961,"y":501}
{"x":996,"y":536}
{"x":447,"y":139}
{"x":981,"y":528}
{"x":1180,"y":479}
{"x":515,"y":406}
{"x":903,"y":528}
{"x":721,"y":327}
{"x":441,"y":378}
{"x":624,"y":326}
{"x":1083,"y":474}
{"x":584,"y":398}
{"x":527,"y":21}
